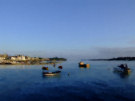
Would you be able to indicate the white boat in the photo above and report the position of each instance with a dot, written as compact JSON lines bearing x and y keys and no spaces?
{"x":51,"y":73}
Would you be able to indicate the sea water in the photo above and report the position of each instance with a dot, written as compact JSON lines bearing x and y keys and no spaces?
{"x":97,"y":83}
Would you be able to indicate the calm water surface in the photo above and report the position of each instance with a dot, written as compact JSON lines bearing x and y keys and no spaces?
{"x":98,"y":83}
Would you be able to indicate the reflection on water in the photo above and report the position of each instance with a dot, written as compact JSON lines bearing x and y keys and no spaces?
{"x":52,"y":76}
{"x":123,"y":74}
{"x":84,"y":67}
{"x":97,"y":83}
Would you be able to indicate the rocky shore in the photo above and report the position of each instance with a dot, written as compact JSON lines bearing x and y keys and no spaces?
{"x":26,"y":60}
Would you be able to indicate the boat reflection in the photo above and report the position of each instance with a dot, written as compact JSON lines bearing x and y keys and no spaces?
{"x":83,"y":67}
{"x":122,"y":74}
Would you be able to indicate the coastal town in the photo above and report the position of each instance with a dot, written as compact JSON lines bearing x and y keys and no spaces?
{"x":6,"y":59}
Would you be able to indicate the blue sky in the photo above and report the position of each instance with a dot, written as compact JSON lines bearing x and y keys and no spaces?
{"x":70,"y":28}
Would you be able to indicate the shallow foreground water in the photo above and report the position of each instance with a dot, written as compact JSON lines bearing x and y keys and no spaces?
{"x":97,"y":83}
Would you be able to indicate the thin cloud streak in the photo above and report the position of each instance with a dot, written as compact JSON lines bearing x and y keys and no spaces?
{"x":115,"y":52}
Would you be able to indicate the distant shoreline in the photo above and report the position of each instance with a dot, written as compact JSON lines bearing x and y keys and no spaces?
{"x":115,"y":59}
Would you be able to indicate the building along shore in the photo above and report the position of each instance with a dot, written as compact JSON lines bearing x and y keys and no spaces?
{"x":5,"y":59}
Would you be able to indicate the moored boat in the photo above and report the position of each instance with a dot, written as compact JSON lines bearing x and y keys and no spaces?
{"x":122,"y":68}
{"x":82,"y":65}
{"x":51,"y":73}
{"x":44,"y":68}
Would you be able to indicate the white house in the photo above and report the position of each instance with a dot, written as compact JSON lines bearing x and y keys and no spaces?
{"x":2,"y":58}
{"x":19,"y":57}
{"x":13,"y":57}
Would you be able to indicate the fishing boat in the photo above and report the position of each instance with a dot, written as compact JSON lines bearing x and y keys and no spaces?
{"x":82,"y":65}
{"x":123,"y":68}
{"x":51,"y":73}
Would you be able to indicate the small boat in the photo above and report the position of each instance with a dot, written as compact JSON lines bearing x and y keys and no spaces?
{"x":60,"y":67}
{"x":44,"y":68}
{"x":122,"y":68}
{"x":51,"y":73}
{"x":82,"y":65}
{"x":85,"y":66}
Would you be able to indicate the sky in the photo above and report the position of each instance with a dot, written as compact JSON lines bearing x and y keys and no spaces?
{"x":68,"y":28}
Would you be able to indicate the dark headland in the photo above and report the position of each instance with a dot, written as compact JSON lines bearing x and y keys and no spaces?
{"x":115,"y":59}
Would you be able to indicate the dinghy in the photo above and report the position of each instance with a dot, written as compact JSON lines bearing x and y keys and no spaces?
{"x":51,"y":73}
